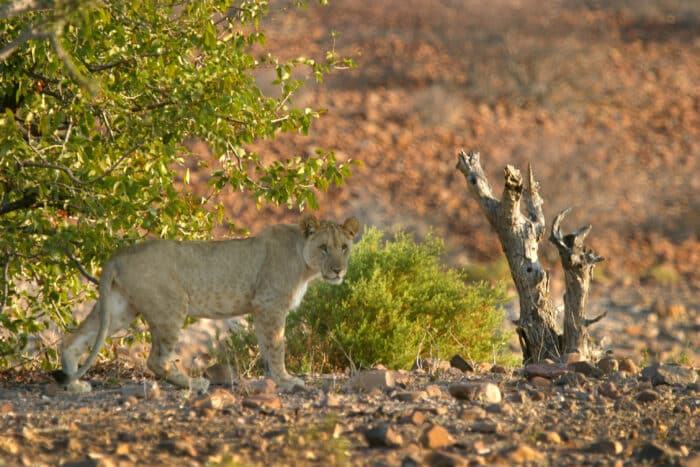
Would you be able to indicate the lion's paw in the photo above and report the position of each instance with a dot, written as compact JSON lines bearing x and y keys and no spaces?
{"x":78,"y":387}
{"x":290,"y":382}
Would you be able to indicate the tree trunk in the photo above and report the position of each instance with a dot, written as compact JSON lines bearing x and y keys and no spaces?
{"x":520,"y":235}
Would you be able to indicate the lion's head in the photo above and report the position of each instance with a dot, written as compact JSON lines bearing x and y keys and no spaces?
{"x":328,"y":246}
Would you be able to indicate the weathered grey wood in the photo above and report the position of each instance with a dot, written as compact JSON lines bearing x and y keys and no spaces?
{"x":578,"y":262}
{"x":520,"y":235}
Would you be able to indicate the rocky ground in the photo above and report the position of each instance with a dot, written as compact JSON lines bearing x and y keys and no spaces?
{"x":446,"y":413}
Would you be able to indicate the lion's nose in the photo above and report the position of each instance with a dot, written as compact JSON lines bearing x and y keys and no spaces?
{"x":336,"y":269}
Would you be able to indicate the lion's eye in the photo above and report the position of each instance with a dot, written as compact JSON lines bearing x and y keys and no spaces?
{"x":345,"y":248}
{"x":324,"y":249}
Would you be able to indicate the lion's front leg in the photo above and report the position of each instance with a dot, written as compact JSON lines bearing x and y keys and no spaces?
{"x":269,"y":329}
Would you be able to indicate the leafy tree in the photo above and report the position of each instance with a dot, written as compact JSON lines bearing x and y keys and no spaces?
{"x":97,"y":99}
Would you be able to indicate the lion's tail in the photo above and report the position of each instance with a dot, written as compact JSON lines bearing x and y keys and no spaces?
{"x":106,"y":281}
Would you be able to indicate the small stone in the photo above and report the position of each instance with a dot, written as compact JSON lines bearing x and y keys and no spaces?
{"x":518,"y":397}
{"x":606,"y":447}
{"x":550,"y":437}
{"x":262,"y":402}
{"x":122,"y":449}
{"x":648,"y":395}
{"x":147,"y":390}
{"x":417,"y":417}
{"x":431,"y":365}
{"x":221,"y":374}
{"x":651,"y":452}
{"x":628,"y":365}
{"x":470,"y":414}
{"x":524,"y":453}
{"x":609,"y":390}
{"x":481,"y":448}
{"x":260,"y":386}
{"x":9,"y":445}
{"x":570,"y":357}
{"x":461,"y":364}
{"x":499,"y":369}
{"x":669,"y":374}
{"x":383,"y":436}
{"x":409,"y":396}
{"x":178,"y":447}
{"x":218,"y":399}
{"x":329,"y":400}
{"x":537,"y":396}
{"x":486,"y":426}
{"x":486,"y":392}
{"x":549,"y":371}
{"x":540,"y":382}
{"x":410,"y":461}
{"x":626,"y":405}
{"x":373,"y":379}
{"x":7,"y":407}
{"x":571,"y":379}
{"x":434,"y":391}
{"x":608,"y":364}
{"x":436,"y":437}
{"x":483,"y":367}
{"x":444,"y":459}
{"x":586,"y":368}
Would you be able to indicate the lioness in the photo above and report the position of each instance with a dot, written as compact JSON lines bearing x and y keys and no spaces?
{"x":164,"y":281}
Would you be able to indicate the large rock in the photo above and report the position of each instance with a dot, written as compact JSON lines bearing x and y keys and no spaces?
{"x":461,"y":364}
{"x":669,"y":374}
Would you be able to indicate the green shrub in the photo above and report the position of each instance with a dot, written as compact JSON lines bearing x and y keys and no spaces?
{"x":397,"y":302}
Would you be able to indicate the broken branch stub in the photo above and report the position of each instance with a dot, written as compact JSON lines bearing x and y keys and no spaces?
{"x":578,"y":262}
{"x":519,"y":236}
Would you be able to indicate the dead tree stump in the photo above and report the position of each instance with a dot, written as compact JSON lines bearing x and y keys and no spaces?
{"x":520,"y":235}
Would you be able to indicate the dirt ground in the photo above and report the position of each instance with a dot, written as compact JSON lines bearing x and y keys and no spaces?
{"x":603,"y":98}
{"x":540,"y":415}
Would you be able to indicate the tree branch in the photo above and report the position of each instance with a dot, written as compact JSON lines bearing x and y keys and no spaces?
{"x":19,"y":7}
{"x":28,"y":200}
{"x":470,"y":166}
{"x":82,"y":270}
{"x":29,"y":34}
{"x":69,"y":173}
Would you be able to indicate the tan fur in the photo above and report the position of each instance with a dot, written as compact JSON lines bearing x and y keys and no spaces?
{"x":164,"y":281}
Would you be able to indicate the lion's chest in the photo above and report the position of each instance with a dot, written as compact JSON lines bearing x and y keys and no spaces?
{"x":298,"y":295}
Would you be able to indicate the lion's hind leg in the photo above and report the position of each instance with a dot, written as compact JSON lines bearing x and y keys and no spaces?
{"x":118,"y":315}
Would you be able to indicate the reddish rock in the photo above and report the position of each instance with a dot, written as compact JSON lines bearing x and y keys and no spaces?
{"x":628,"y":365}
{"x":543,"y":370}
{"x":436,"y":437}
{"x":608,"y":365}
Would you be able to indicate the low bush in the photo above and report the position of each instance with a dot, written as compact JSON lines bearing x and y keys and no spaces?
{"x":397,"y":303}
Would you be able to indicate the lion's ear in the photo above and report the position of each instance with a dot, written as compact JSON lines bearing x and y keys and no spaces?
{"x":309,"y":225}
{"x":352,"y":226}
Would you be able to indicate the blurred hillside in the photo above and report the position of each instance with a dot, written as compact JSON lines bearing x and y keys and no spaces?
{"x":603,"y":98}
